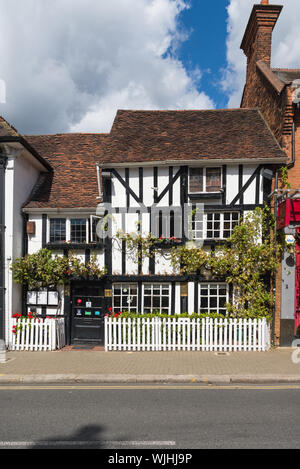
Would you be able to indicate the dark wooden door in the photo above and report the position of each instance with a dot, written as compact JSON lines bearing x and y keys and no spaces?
{"x":87,"y":321}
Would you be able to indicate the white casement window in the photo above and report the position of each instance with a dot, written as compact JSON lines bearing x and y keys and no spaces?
{"x":68,"y":230}
{"x":78,"y":230}
{"x":125,"y":297}
{"x":94,"y":222}
{"x":157,"y":298}
{"x":57,"y":230}
{"x":213,"y":298}
{"x":205,"y":179}
{"x":214,"y":225}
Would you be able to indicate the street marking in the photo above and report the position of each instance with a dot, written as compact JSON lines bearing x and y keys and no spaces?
{"x":203,"y":387}
{"x":30,"y":444}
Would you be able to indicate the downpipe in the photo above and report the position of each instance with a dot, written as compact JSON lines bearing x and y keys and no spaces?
{"x":3,"y":164}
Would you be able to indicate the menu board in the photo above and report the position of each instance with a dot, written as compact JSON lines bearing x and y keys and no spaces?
{"x":53,"y":298}
{"x":41,"y":297}
{"x":31,"y":297}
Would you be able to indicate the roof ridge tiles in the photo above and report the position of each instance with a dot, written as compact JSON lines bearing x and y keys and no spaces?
{"x":184,"y":110}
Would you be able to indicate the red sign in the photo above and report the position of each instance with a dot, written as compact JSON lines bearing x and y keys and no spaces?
{"x":288,"y":213}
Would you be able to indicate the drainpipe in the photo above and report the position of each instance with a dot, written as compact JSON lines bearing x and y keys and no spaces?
{"x":275,"y":234}
{"x":100,"y":189}
{"x":291,"y":164}
{"x":3,"y":164}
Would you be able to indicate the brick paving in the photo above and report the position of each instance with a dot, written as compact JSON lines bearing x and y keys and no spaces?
{"x":71,"y":361}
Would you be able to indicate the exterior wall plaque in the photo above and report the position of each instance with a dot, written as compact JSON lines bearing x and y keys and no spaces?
{"x":183,"y":289}
{"x":108,"y":293}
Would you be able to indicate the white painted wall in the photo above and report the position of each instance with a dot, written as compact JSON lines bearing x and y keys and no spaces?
{"x":232,"y":183}
{"x":20,"y":177}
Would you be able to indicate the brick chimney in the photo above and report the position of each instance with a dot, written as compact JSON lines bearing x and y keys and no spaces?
{"x":257,"y":40}
{"x":256,"y":44}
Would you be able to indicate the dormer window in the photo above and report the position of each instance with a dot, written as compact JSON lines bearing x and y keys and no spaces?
{"x":205,"y":179}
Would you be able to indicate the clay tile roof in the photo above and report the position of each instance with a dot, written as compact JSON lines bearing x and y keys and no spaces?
{"x":144,"y":136}
{"x":6,"y":129}
{"x":73,"y":182}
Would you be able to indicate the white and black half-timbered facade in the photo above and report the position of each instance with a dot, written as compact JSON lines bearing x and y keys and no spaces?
{"x":180,"y":175}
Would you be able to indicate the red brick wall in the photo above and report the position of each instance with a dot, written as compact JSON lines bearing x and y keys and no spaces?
{"x":261,"y":94}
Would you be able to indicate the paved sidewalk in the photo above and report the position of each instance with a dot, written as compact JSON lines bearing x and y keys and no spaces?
{"x":90,"y":366}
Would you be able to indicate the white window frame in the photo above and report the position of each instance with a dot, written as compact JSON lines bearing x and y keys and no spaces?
{"x":204,"y":168}
{"x":218,"y":286}
{"x":92,"y":219}
{"x":48,"y":228}
{"x":152,"y":286}
{"x":123,"y":285}
{"x":205,"y":221}
{"x":68,"y":227}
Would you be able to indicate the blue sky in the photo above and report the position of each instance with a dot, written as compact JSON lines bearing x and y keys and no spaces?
{"x":206,"y":47}
{"x":69,"y":65}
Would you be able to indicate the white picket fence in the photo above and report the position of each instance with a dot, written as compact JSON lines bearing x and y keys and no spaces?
{"x":37,"y":334}
{"x":206,"y":334}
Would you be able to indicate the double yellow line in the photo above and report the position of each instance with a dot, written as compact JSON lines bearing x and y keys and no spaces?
{"x":133,"y":387}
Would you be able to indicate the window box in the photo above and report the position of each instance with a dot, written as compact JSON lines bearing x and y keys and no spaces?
{"x":206,"y":195}
{"x":167,"y":243}
{"x":74,"y":246}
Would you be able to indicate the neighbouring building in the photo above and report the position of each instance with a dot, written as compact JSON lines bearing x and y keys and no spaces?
{"x":276,"y":92}
{"x":20,"y":167}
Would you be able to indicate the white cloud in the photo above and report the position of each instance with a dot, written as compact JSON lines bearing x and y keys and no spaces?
{"x":285,"y":47}
{"x":69,"y":65}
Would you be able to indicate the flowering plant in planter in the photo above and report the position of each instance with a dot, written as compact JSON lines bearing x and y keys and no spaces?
{"x":19,"y":318}
{"x":113,"y":314}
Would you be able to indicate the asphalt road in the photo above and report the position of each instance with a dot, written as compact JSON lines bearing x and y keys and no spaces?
{"x":162,"y":417}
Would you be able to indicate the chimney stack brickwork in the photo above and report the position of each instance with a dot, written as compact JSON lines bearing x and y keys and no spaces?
{"x":257,"y":44}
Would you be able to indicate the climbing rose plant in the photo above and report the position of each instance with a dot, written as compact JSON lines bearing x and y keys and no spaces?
{"x":44,"y":269}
